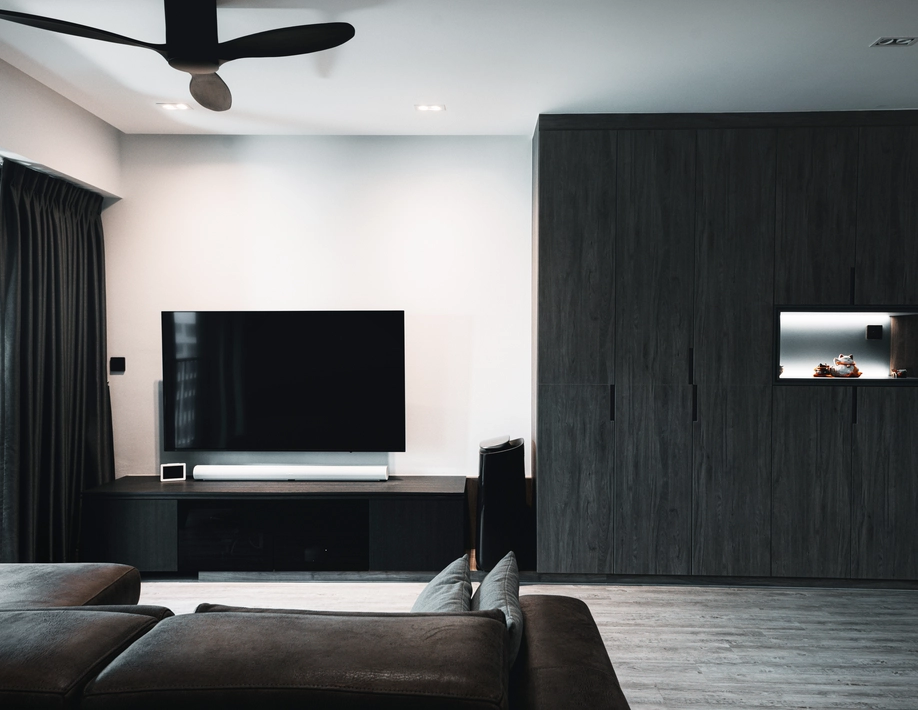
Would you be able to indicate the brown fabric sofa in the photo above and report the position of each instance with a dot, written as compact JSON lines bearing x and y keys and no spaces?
{"x":136,"y":657}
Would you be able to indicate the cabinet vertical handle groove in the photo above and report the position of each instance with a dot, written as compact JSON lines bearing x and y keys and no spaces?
{"x":611,"y":403}
{"x":691,"y":366}
{"x":694,"y":403}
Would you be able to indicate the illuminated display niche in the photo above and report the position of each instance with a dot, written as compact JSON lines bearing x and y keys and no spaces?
{"x":810,"y":336}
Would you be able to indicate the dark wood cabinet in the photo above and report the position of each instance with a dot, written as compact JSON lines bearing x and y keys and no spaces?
{"x":732,"y":483}
{"x":734,"y":257}
{"x":576,"y":211}
{"x":811,"y":482}
{"x":654,"y":285}
{"x":575,"y":441}
{"x":142,"y":533}
{"x":884,"y":535}
{"x":425,"y":530}
{"x":816,"y":214}
{"x":887,"y":216}
{"x":663,"y":443}
{"x":654,"y":257}
{"x":411,"y":523}
{"x":652,"y":509}
{"x":734,"y":282}
{"x":574,"y":364}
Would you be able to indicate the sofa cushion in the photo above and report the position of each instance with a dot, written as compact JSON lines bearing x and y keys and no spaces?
{"x":29,"y":586}
{"x":296,"y":660}
{"x":450,"y":590}
{"x":47,"y":656}
{"x":500,"y":589}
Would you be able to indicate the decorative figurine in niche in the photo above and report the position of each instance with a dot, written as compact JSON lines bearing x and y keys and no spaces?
{"x":845,"y":367}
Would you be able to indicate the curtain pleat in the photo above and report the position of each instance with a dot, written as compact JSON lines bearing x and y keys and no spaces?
{"x":55,"y":418}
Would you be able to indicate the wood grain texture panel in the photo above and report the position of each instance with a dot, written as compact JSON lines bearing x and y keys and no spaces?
{"x":654,"y":253}
{"x":811,"y":482}
{"x":574,"y":486}
{"x":152,"y":487}
{"x":732,"y":481}
{"x":903,"y":343}
{"x":885,"y":533}
{"x":653,"y":480}
{"x":734,"y":257}
{"x":575,"y":293}
{"x":416,"y":535}
{"x":887,"y":216}
{"x":676,"y":121}
{"x":816,"y":218}
{"x":142,"y":533}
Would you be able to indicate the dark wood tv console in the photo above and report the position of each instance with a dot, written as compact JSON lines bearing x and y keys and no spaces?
{"x":408,"y":523}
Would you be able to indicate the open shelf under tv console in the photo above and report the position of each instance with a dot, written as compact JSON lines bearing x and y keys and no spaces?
{"x":411,"y":523}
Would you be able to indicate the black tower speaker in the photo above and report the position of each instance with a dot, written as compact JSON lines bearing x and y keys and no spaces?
{"x":504,"y":519}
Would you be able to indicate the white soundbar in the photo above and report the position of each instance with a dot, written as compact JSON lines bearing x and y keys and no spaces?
{"x":288,"y":472}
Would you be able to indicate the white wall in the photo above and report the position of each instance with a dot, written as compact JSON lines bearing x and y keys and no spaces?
{"x":437,"y":227}
{"x":41,"y":126}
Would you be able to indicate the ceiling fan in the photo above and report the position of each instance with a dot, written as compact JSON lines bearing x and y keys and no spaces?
{"x":192,"y":45}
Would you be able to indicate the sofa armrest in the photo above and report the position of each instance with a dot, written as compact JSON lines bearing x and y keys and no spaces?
{"x":562,"y":662}
{"x":33,"y":585}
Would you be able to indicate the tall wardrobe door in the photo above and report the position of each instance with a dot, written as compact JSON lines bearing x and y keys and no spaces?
{"x":816,"y":215}
{"x":811,"y":521}
{"x":733,"y":335}
{"x":574,"y":472}
{"x":576,"y":196}
{"x":885,"y":533}
{"x":653,"y":479}
{"x":654,"y":235}
{"x":887,"y":216}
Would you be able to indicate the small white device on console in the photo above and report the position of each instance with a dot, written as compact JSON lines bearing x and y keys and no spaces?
{"x":288,"y":472}
{"x":172,"y":472}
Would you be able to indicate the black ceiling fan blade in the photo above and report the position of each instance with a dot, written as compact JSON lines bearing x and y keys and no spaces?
{"x":287,"y":41}
{"x":71,"y":28}
{"x":211,"y":92}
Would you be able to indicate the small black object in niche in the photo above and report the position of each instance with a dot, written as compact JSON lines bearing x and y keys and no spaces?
{"x":874,"y":332}
{"x":116,"y":365}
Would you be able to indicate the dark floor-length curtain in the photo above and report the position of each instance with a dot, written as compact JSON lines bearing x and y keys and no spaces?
{"x":55,"y":413}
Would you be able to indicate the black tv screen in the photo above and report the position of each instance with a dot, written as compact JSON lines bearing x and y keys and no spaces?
{"x":284,"y":380}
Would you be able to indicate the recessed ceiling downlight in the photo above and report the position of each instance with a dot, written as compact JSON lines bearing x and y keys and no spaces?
{"x":174,"y":107}
{"x":894,"y":42}
{"x":430,"y":107}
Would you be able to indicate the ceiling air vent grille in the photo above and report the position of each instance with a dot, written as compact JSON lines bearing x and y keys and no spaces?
{"x":894,"y":42}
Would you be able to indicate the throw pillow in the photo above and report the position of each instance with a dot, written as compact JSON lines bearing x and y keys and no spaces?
{"x":500,"y":589}
{"x":451,"y":590}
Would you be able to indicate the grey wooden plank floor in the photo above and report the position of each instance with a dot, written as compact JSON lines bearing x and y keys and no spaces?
{"x":677,"y":647}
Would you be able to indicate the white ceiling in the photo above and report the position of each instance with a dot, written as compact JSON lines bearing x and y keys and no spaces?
{"x":495,"y":64}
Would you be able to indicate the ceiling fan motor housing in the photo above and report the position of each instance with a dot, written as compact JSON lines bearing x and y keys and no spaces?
{"x":191,"y":35}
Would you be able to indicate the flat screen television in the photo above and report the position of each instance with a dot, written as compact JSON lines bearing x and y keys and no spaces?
{"x":284,"y":380}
